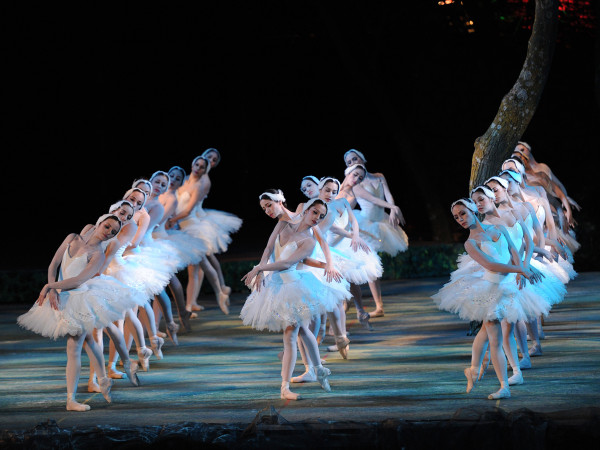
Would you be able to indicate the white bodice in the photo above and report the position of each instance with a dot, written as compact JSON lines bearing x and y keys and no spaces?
{"x":499,"y":252}
{"x":369,"y":210}
{"x":71,"y":267}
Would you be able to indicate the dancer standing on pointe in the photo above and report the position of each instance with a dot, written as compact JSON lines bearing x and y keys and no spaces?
{"x":487,"y":295}
{"x":287,"y":299}
{"x":374,"y":196}
{"x":80,"y":302}
{"x":189,"y":200}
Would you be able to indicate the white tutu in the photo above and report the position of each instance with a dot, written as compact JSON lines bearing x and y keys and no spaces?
{"x":223,"y":224}
{"x":188,"y":249}
{"x":141,"y":269}
{"x":94,"y":304}
{"x":569,"y":240}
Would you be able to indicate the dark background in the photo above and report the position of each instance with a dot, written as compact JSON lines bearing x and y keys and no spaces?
{"x":95,"y":96}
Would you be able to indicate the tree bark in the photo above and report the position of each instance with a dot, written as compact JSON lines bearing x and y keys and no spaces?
{"x":519,"y":105}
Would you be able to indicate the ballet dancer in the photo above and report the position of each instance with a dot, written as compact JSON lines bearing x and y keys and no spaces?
{"x":288,"y":298}
{"x":79,"y":302}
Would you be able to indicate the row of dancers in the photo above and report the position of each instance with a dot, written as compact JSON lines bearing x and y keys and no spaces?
{"x":112,"y":276}
{"x":518,"y":260}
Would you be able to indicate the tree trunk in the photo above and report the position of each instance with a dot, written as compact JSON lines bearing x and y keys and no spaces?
{"x":519,"y":105}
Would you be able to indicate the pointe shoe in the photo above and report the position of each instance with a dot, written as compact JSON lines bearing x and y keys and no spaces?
{"x":144,"y":355}
{"x":184,"y":318}
{"x":363,"y":319}
{"x":131,"y":370}
{"x":193,"y":316}
{"x":286,"y":394}
{"x":113,"y":373}
{"x":501,"y":393}
{"x":105,"y":387}
{"x":471,"y":379}
{"x":156,"y":343}
{"x":536,"y":350}
{"x":172,"y":329}
{"x":525,"y":364}
{"x":223,"y":303}
{"x":197,"y":308}
{"x":226,"y":290}
{"x":377,"y":313}
{"x":343,"y":345}
{"x":516,"y":379}
{"x":161,"y":334}
{"x":93,"y":387}
{"x":72,"y":405}
{"x":322,"y":374}
{"x":307,"y":377}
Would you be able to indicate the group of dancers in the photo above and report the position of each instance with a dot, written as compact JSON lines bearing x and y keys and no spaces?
{"x":113,"y":275}
{"x":519,"y":258}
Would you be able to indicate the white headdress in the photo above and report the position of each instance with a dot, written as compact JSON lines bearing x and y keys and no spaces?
{"x":181,"y":169}
{"x":516,"y":176}
{"x":160,"y":172}
{"x":466,"y":202}
{"x":208,"y":150}
{"x":486,"y":190}
{"x":311,"y":178}
{"x":499,"y":180}
{"x":309,"y":203}
{"x":354,"y":166}
{"x":353,"y":150}
{"x":524,"y":144}
{"x":104,"y":217}
{"x":520,"y":167}
{"x":326,"y":180}
{"x":275,"y":197}
{"x":118,"y":204}
{"x":205,"y":159}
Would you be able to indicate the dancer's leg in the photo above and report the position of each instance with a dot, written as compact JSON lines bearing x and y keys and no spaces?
{"x":134,"y":331}
{"x":214,"y":262}
{"x":146,"y":316}
{"x":73,"y":370}
{"x":193,"y":288}
{"x":165,"y":305}
{"x":290,"y":337}
{"x":532,"y":327}
{"x":494,"y":332}
{"x":361,"y":314}
{"x":309,"y":371}
{"x":92,"y":381}
{"x":478,"y":350}
{"x":117,"y":339}
{"x":341,"y":340}
{"x":177,"y":293}
{"x":376,"y":292}
{"x":509,"y":344}
{"x":521,"y":336}
{"x":312,"y":352}
{"x":213,"y":279}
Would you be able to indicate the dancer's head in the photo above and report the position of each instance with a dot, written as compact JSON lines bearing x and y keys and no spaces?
{"x":499,"y":186}
{"x":353,"y":156}
{"x":523,"y":152}
{"x":328,"y":189}
{"x":484,"y":199}
{"x":136,"y":197}
{"x":463,"y":210}
{"x":176,"y":176}
{"x":160,"y":182}
{"x":272,"y":202}
{"x":107,"y":227}
{"x":310,"y":186}
{"x":200,"y":166}
{"x":513,"y":164}
{"x":213,"y":156}
{"x":123,"y":210}
{"x":313,"y":212}
{"x":514,"y":180}
{"x":144,"y":185}
{"x":355,"y":174}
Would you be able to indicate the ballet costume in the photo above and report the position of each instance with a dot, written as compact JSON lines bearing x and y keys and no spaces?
{"x":186,"y":248}
{"x":227,"y":223}
{"x":292,"y":298}
{"x":375,"y":226}
{"x":94,"y":304}
{"x":563,"y":268}
{"x":196,"y":224}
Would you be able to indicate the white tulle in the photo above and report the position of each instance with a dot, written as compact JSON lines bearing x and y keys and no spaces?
{"x":94,"y":304}
{"x":189,"y":250}
{"x":382,"y":236}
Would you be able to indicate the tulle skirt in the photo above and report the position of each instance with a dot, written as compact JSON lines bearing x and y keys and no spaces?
{"x":369,"y":267}
{"x":382,"y":236}
{"x":96,"y":303}
{"x":187,"y":249}
{"x":224,"y":225}
{"x":289,"y":298}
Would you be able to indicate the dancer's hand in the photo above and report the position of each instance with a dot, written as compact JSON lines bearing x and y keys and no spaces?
{"x":521,"y":281}
{"x":259,"y":281}
{"x":331,"y":273}
{"x":537,"y":275}
{"x":546,"y":254}
{"x":53,"y":298}
{"x":358,"y":242}
{"x":249,"y":277}
{"x":394,"y":213}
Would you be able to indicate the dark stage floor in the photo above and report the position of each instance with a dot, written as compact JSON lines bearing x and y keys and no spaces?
{"x":407,"y":371}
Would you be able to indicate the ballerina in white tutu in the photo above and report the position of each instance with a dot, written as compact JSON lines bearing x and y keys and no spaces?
{"x":383,"y":232}
{"x":288,"y":298}
{"x":487,"y":295}
{"x":79,"y":302}
{"x":188,"y":217}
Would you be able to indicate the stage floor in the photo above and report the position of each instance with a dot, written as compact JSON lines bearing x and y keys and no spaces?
{"x":410,"y":367}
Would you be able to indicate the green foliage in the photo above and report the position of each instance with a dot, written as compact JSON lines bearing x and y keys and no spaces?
{"x":418,"y":261}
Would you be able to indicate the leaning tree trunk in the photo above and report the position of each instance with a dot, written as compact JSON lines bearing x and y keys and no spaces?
{"x":518,"y":106}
